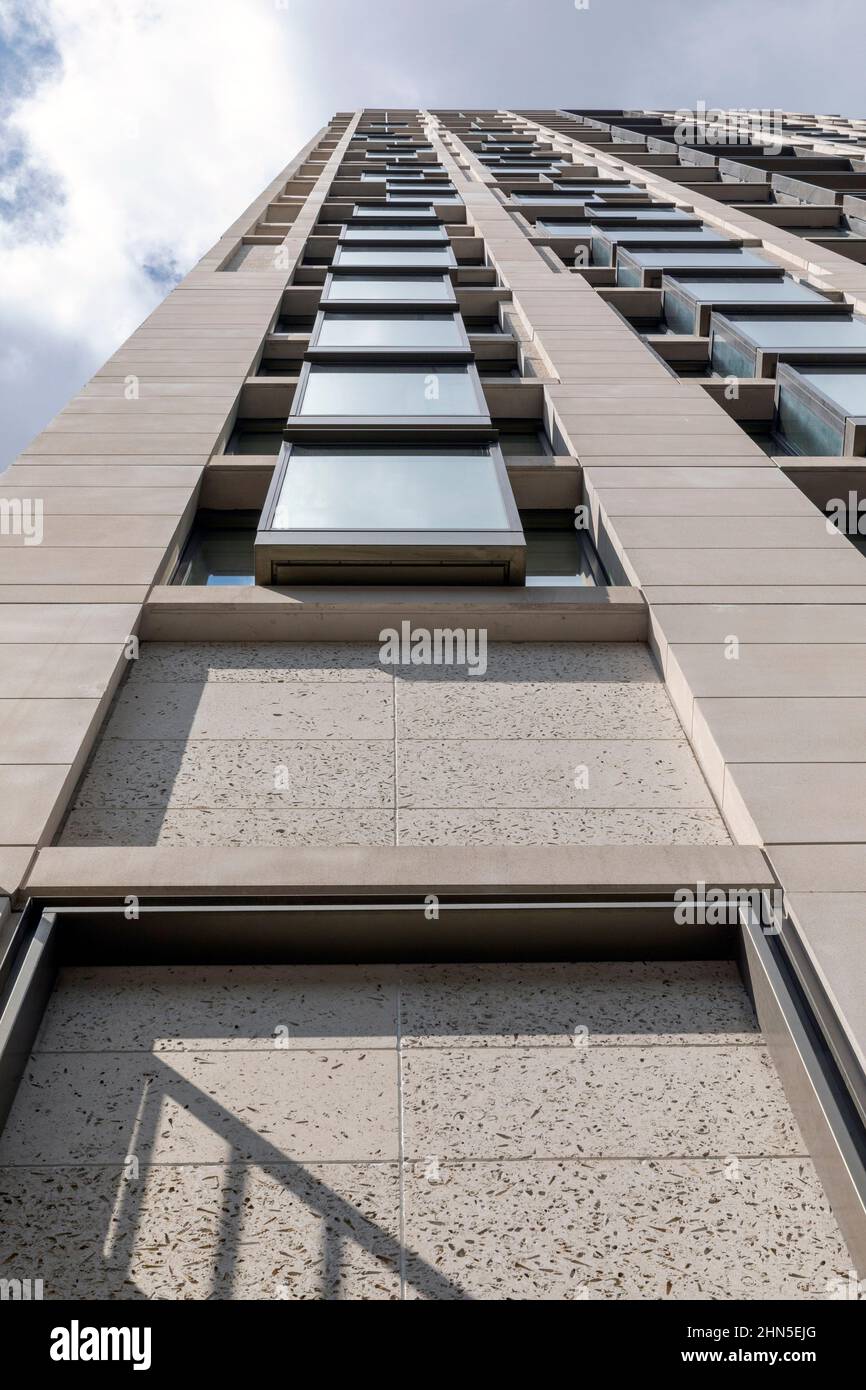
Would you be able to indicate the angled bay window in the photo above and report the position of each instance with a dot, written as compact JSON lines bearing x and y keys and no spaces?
{"x":390,"y":514}
{"x":399,"y":232}
{"x":645,"y":268}
{"x":675,"y":216}
{"x":394,"y":258}
{"x":383,"y":213}
{"x":357,"y":394}
{"x":388,"y":289}
{"x":410,"y":199}
{"x":751,"y":344}
{"x":606,"y":240}
{"x":381,"y":331}
{"x":821,"y":410}
{"x":687,"y":302}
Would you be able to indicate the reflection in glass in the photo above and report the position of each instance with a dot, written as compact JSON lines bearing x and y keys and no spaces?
{"x":423,"y":288}
{"x":435,"y":258}
{"x":390,"y":330}
{"x":430,"y":390}
{"x":340,"y":488}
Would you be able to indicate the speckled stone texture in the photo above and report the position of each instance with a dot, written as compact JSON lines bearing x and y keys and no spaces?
{"x":319,"y":744}
{"x":586,"y":1131}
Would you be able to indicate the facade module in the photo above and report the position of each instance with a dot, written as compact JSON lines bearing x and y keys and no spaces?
{"x":431,"y":729}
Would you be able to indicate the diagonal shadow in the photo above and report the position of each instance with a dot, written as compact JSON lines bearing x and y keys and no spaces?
{"x":331,"y":1208}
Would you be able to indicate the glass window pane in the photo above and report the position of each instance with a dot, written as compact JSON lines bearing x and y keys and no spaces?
{"x":640,"y":215}
{"x":847,"y":388}
{"x":530,"y":199}
{"x":812,"y":331}
{"x":804,"y":429}
{"x":368,"y":214}
{"x":424,"y":288}
{"x":219,"y":553}
{"x":750,"y":291}
{"x":426,"y":390}
{"x":351,"y":489}
{"x":565,"y":228}
{"x":623,"y":235}
{"x":557,"y":554}
{"x":390,"y":330}
{"x":699,"y":260}
{"x":426,"y":198}
{"x":530,"y":444}
{"x":590,"y":189}
{"x":434,"y":259}
{"x":245,"y":441}
{"x":397,"y":233}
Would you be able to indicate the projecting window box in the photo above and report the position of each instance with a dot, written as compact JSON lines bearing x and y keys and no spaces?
{"x":821,"y":410}
{"x":385,"y":214}
{"x":402,"y":289}
{"x":688,"y":302}
{"x":644,"y":269}
{"x":396,"y":234}
{"x":402,"y":514}
{"x":752,"y":344}
{"x":394,"y":258}
{"x":352,"y":397}
{"x":382,"y":332}
{"x":606,"y":243}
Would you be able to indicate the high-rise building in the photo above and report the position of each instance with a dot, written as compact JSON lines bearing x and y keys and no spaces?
{"x":432,"y":717}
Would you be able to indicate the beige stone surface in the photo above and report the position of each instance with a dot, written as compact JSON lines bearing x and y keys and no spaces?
{"x":255,"y":1176}
{"x":305,"y":743}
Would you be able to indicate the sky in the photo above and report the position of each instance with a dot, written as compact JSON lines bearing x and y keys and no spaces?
{"x":132,"y":132}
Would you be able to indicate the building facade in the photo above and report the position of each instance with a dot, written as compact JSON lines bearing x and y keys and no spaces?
{"x":432,"y":715}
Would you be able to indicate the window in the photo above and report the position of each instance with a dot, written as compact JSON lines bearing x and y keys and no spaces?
{"x":753,"y":343}
{"x":821,"y":411}
{"x":390,"y":489}
{"x":530,"y":199}
{"x":407,"y":199}
{"x":401,"y":232}
{"x":292,"y":323}
{"x":430,"y":391}
{"x":524,"y":443}
{"x":569,"y":229}
{"x":646,"y":267}
{"x":404,"y":330}
{"x":391,"y":214}
{"x":394,"y":258}
{"x":338,"y":513}
{"x":557,"y":553}
{"x":610,"y":190}
{"x":256,"y":437}
{"x":627,"y":214}
{"x":421,"y":289}
{"x":687,"y":303}
{"x":220,"y":549}
{"x":606,"y":240}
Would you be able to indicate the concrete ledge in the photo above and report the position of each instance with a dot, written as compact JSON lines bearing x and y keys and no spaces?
{"x":823,"y":479}
{"x":257,"y":614}
{"x":500,"y":870}
{"x":15,"y":860}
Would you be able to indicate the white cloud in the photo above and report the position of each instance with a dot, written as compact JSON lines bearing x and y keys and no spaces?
{"x":160,"y":121}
